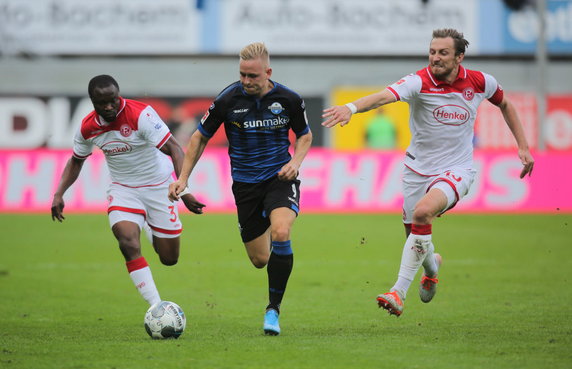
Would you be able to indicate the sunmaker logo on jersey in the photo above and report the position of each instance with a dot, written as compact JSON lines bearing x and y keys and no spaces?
{"x":265,"y":123}
{"x":453,"y":115}
{"x":114,"y":148}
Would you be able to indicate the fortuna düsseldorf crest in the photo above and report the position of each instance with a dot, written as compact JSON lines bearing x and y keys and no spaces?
{"x":125,"y":130}
{"x":468,"y":93}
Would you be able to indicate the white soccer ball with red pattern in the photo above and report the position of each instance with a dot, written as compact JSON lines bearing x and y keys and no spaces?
{"x":165,"y":319}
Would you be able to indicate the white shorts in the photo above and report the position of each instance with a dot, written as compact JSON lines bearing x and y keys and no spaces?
{"x":145,"y":204}
{"x":454,"y":183}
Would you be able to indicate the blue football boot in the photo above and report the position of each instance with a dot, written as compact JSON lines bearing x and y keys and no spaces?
{"x":271,"y":326}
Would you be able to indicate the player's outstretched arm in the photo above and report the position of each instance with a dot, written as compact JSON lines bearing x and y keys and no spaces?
{"x":174,"y":150}
{"x":195,"y":149}
{"x":69,"y":176}
{"x":341,"y":114}
{"x":512,"y":120}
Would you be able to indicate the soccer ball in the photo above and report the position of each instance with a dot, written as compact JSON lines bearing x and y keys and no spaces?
{"x":165,"y":319}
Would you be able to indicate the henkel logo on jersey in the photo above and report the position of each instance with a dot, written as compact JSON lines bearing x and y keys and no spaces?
{"x":453,"y":115}
{"x":116,"y":148}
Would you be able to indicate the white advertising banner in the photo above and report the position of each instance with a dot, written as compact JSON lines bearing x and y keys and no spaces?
{"x":75,"y":27}
{"x":187,"y":27}
{"x":365,"y":27}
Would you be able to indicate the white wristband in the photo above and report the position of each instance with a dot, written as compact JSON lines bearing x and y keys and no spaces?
{"x":352,"y":107}
{"x":184,"y":192}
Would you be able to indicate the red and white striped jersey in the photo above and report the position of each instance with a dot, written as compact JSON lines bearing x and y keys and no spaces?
{"x":442,"y":117}
{"x":131,"y":144}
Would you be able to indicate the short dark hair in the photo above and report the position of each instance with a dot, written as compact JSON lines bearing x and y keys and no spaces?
{"x":458,"y":38}
{"x":103,"y":80}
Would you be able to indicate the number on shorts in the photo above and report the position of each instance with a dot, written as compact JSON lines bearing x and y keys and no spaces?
{"x":172,"y":212}
{"x":293,"y":190}
{"x":449,"y":174}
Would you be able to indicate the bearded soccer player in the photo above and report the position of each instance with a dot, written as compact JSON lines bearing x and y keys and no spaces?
{"x":137,"y":145}
{"x":258,"y":114}
{"x":443,"y":100}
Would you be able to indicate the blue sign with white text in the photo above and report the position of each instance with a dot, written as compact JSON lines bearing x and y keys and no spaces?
{"x":504,"y":31}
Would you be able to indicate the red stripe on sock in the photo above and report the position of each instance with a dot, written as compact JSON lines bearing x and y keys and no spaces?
{"x":421,"y":229}
{"x":136,"y":264}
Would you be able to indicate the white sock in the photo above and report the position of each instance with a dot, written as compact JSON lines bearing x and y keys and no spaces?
{"x":141,"y":276}
{"x":414,"y":253}
{"x":430,"y":264}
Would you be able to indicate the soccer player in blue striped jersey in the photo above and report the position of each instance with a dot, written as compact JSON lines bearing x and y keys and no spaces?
{"x":258,"y":114}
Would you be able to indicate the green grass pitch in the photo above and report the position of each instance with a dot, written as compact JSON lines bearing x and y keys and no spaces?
{"x":504,"y":298}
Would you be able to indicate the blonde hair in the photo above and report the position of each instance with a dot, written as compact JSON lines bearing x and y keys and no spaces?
{"x":254,"y":51}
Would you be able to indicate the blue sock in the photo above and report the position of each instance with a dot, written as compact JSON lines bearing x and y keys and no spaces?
{"x":279,"y":269}
{"x":282,"y":247}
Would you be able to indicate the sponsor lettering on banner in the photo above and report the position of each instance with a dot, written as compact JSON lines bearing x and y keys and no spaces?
{"x":509,"y":31}
{"x":302,"y":27}
{"x":521,"y":28}
{"x":332,"y":181}
{"x":60,"y":27}
{"x":299,"y":27}
{"x":34,"y":122}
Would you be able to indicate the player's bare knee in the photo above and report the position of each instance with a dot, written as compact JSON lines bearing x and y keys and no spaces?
{"x":168,"y":250}
{"x":169,"y":260}
{"x":129,"y":247}
{"x":281,"y":233}
{"x":422,"y":214}
{"x":259,"y":262}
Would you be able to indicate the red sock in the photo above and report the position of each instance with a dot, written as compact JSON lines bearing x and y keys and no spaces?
{"x":136,"y":264}
{"x":421,"y":229}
